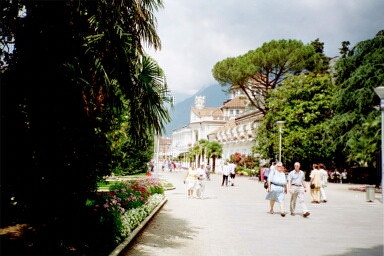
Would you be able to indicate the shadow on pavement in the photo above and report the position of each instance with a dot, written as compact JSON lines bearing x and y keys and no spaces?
{"x":165,"y":232}
{"x":373,"y":251}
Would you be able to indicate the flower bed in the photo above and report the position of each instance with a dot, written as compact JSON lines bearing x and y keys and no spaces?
{"x":132,"y":218}
{"x":121,"y":209}
{"x":363,"y":188}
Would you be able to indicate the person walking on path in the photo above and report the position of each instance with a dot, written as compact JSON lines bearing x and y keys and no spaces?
{"x":226,"y":171}
{"x":277,"y":188}
{"x":324,"y":182}
{"x":272,"y":168}
{"x":266,"y":172}
{"x":208,"y":171}
{"x":190,"y":181}
{"x":344,"y":177}
{"x":200,"y":183}
{"x":315,"y":184}
{"x":232,"y":173}
{"x":296,"y":187}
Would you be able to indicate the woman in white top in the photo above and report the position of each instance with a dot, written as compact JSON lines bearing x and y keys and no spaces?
{"x":191,"y":180}
{"x":277,"y":188}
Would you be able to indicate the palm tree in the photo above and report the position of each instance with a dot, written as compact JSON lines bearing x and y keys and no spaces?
{"x":202,"y":149}
{"x":115,"y":73}
{"x":193,"y":152}
{"x":214,"y":150}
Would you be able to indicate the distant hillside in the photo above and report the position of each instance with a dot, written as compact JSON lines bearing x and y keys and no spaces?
{"x":214,"y":97}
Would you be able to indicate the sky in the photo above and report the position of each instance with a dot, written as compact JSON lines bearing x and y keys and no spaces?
{"x":196,"y":34}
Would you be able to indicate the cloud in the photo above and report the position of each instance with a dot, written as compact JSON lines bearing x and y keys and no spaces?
{"x":197,"y":34}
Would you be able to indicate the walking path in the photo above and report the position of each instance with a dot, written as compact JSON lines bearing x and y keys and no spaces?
{"x":234,"y":221}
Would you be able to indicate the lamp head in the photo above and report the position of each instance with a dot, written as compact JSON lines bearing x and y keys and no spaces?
{"x":379,"y":91}
{"x":280,"y":123}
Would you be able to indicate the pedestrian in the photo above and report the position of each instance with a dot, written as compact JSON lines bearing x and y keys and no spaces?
{"x":277,"y":188}
{"x":336,"y":176}
{"x":172,"y":167}
{"x":208,"y":171}
{"x":324,"y":182}
{"x":226,"y":171}
{"x":266,"y":172}
{"x":190,"y":181}
{"x":297,"y":187}
{"x":232,"y":173}
{"x":315,"y":184}
{"x":151,"y":166}
{"x":272,"y":167}
{"x":344,"y":176}
{"x":169,"y":165}
{"x":261,"y":170}
{"x":200,"y":183}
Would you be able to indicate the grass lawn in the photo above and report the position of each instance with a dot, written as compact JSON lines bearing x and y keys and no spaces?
{"x":106,"y":184}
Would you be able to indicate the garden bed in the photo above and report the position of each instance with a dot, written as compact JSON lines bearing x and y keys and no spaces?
{"x":138,"y":228}
{"x":110,"y":220}
{"x":363,"y":188}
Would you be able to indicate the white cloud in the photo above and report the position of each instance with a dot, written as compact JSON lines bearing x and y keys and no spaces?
{"x":196,"y":34}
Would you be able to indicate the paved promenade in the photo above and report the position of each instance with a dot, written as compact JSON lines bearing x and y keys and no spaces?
{"x":234,"y":221}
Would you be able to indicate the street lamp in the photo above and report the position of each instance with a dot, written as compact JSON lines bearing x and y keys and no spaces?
{"x":380,"y":92}
{"x":280,"y":124}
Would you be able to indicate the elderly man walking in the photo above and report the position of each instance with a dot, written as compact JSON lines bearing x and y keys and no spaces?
{"x":297,"y":187}
{"x":226,"y":171}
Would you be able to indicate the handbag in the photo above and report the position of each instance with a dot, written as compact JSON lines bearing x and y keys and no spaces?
{"x":265,"y":184}
{"x":312,"y":186}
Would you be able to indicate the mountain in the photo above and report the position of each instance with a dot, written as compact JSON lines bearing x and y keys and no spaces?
{"x":180,"y":115}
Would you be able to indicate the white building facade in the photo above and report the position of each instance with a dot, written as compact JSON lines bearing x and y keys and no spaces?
{"x":233,"y":125}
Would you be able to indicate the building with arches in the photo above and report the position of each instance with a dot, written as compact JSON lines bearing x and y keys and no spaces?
{"x":233,"y":125}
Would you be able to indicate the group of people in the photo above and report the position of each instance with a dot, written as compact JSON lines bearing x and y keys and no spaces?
{"x":195,"y":180}
{"x":337,"y":177}
{"x":278,"y":184}
{"x":196,"y":177}
{"x":229,"y":174}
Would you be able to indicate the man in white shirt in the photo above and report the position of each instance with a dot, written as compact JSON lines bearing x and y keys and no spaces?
{"x":297,"y":187}
{"x":324,"y":182}
{"x":232,"y":173}
{"x":226,"y":171}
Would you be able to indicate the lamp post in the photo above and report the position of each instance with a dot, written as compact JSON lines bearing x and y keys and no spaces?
{"x":380,"y":92}
{"x":157,"y":151}
{"x":280,"y":125}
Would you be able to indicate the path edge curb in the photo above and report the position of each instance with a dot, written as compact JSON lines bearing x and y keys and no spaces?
{"x":131,"y":236}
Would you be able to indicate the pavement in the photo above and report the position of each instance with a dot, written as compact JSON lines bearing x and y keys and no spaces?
{"x":233,"y":220}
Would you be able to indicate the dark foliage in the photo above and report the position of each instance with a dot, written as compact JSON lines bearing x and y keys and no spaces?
{"x":50,"y":154}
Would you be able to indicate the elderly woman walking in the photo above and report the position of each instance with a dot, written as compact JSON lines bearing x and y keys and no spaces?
{"x":277,"y":188}
{"x":191,"y":180}
{"x":315,"y":184}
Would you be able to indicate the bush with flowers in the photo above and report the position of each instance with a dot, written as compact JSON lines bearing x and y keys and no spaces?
{"x":126,"y":205}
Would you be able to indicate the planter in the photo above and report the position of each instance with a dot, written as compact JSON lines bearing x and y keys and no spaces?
{"x":133,"y":234}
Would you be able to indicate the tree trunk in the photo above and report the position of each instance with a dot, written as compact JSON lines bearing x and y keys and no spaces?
{"x":213,"y":163}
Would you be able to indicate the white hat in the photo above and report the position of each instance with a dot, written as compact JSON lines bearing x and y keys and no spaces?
{"x":279,"y":164}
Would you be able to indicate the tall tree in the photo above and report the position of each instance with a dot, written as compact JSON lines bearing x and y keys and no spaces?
{"x":344,"y":50}
{"x":54,"y":122}
{"x":259,"y":71}
{"x":304,"y":103}
{"x":355,"y":125}
{"x":121,"y":76}
{"x":324,"y":60}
